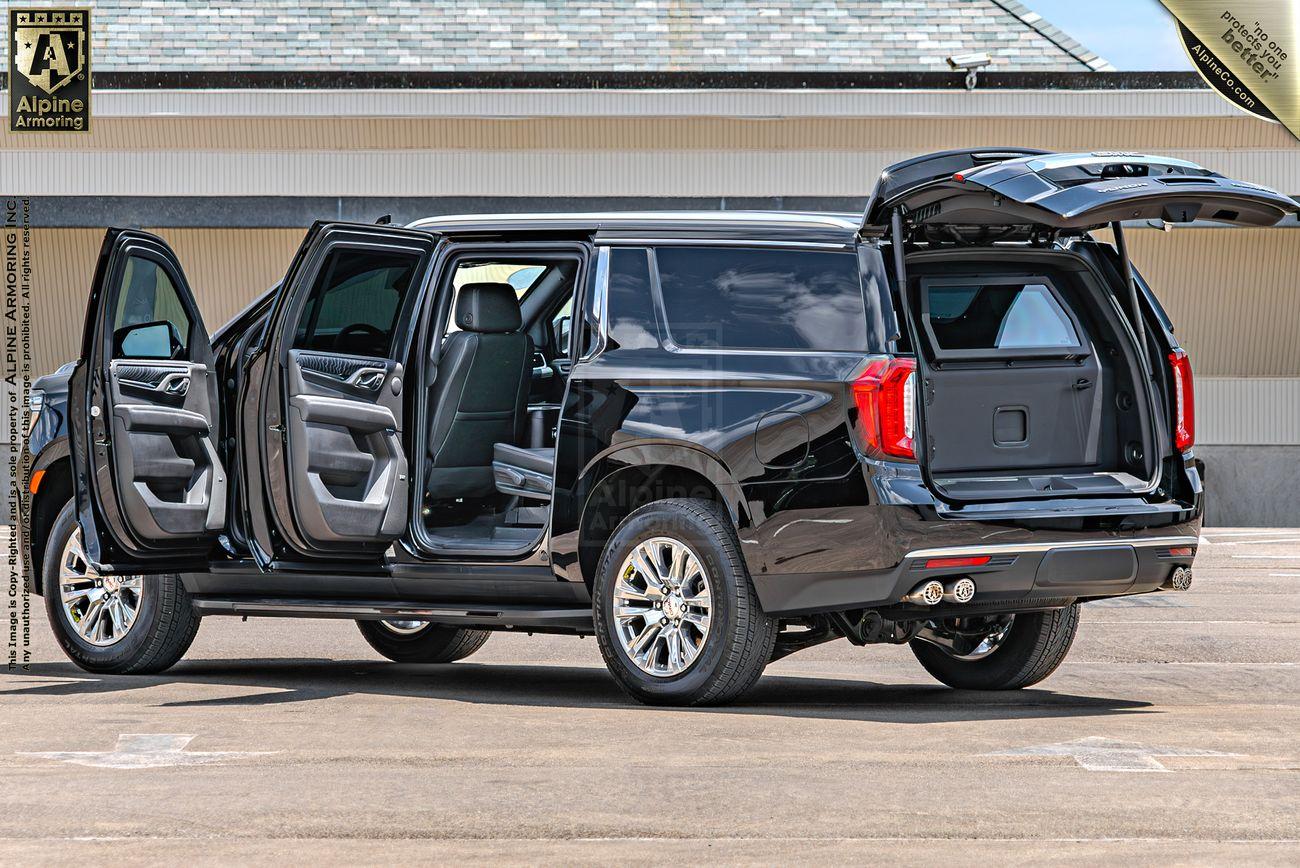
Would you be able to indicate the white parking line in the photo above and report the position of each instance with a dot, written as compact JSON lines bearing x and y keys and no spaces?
{"x":1097,"y":753}
{"x":1260,"y":542}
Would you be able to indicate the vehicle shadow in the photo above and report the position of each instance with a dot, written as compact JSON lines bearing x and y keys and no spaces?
{"x":278,"y":681}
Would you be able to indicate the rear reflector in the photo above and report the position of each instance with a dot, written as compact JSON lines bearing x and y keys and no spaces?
{"x":949,"y":563}
{"x":885,"y":396}
{"x":1181,"y":552}
{"x":1184,"y":400}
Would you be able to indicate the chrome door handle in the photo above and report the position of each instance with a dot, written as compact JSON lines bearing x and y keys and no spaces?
{"x":368,"y":378}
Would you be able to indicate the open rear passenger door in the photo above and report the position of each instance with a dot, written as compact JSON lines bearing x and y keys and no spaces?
{"x":330,"y":480}
{"x":150,"y":487}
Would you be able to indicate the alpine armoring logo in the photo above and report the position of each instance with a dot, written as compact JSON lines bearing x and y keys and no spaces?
{"x":49,"y":70}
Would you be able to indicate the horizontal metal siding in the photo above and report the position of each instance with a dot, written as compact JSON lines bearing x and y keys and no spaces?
{"x":509,"y":172}
{"x":1233,"y":294}
{"x":856,"y":134}
{"x":227,"y":268}
{"x":615,"y":102}
{"x":1235,"y":411}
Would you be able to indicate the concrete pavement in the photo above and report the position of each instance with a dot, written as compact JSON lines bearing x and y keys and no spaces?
{"x":528,"y":753}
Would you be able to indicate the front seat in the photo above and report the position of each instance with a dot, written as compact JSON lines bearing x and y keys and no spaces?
{"x":480,"y":393}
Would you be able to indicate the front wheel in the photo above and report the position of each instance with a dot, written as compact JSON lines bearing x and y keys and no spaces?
{"x":1000,"y":652}
{"x":676,"y":615}
{"x":123,"y":625}
{"x":421,"y":642}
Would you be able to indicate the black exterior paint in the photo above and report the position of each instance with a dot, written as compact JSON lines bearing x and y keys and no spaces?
{"x":770,"y":435}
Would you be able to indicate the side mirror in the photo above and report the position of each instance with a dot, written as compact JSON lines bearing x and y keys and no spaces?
{"x":148,"y":340}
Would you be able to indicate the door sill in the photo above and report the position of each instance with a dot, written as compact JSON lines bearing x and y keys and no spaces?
{"x":480,"y":538}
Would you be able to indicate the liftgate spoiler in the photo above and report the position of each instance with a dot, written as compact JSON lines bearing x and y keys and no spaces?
{"x":998,"y":194}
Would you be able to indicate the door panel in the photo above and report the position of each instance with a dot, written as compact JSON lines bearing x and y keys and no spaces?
{"x":344,"y":447}
{"x":165,"y":460}
{"x":333,"y":459}
{"x":149,"y":481}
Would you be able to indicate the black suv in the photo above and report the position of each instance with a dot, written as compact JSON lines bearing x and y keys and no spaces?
{"x":710,"y":439}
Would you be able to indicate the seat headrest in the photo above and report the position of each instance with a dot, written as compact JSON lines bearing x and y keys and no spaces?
{"x":488,"y":307}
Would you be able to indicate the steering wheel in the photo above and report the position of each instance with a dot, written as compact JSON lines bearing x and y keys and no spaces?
{"x":379,"y":335}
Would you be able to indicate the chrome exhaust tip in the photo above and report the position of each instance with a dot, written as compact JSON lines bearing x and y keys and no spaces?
{"x":926,"y":594}
{"x":960,"y":591}
{"x":1179,"y":580}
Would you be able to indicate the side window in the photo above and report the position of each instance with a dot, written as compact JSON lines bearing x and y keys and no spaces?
{"x":355,"y":303}
{"x":149,"y":321}
{"x":763,"y":299}
{"x":630,"y":314}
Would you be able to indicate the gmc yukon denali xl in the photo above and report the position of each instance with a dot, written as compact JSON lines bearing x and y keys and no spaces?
{"x":709,"y":439}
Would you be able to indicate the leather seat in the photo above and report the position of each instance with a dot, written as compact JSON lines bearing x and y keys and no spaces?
{"x":481,"y":391}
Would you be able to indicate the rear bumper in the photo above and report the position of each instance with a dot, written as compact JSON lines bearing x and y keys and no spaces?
{"x":1017,"y":576}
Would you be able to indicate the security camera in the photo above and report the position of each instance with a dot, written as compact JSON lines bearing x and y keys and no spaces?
{"x":969,"y":61}
{"x":971,"y":64}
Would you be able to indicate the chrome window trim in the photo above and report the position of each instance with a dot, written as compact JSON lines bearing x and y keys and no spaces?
{"x":599,"y":302}
{"x":670,"y":241}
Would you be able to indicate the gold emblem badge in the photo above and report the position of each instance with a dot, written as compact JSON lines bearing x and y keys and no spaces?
{"x":49,"y":70}
{"x":1246,"y":50}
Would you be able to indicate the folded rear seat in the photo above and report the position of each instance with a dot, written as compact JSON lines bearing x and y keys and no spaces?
{"x":525,"y":472}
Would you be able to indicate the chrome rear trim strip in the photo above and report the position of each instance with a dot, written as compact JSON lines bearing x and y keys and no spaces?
{"x":1035,"y":547}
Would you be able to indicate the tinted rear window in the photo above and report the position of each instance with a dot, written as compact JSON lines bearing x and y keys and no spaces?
{"x":766,"y":299}
{"x":998,"y":315}
{"x":354,"y":304}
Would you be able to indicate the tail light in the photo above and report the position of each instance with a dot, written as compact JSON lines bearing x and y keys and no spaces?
{"x":885,"y":396}
{"x":1184,"y":400}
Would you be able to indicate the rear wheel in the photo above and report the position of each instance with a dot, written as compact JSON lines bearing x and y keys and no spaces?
{"x":1001,"y":652}
{"x":421,"y":642}
{"x":676,"y":615}
{"x":122,"y":625}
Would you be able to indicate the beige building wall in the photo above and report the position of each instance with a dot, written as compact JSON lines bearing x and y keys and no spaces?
{"x":227,"y":268}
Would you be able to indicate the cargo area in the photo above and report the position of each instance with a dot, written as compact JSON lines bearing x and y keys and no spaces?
{"x":1032,"y":385}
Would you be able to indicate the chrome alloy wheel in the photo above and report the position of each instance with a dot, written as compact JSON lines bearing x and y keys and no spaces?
{"x":968,"y":638}
{"x":662,"y":606}
{"x":404,"y":627}
{"x":101,"y":609}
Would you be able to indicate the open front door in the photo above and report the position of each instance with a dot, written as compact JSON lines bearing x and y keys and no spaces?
{"x":150,"y":488}
{"x":329,"y":417}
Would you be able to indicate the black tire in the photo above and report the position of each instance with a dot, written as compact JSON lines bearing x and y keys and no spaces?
{"x":1036,"y":644}
{"x":432,"y":644}
{"x":162,"y":632}
{"x":740,"y":636}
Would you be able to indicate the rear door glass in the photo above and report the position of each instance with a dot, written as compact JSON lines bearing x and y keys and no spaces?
{"x":763,"y":299}
{"x":354,"y":305}
{"x":998,"y":314}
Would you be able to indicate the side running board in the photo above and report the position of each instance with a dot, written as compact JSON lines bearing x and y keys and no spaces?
{"x":576,"y":620}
